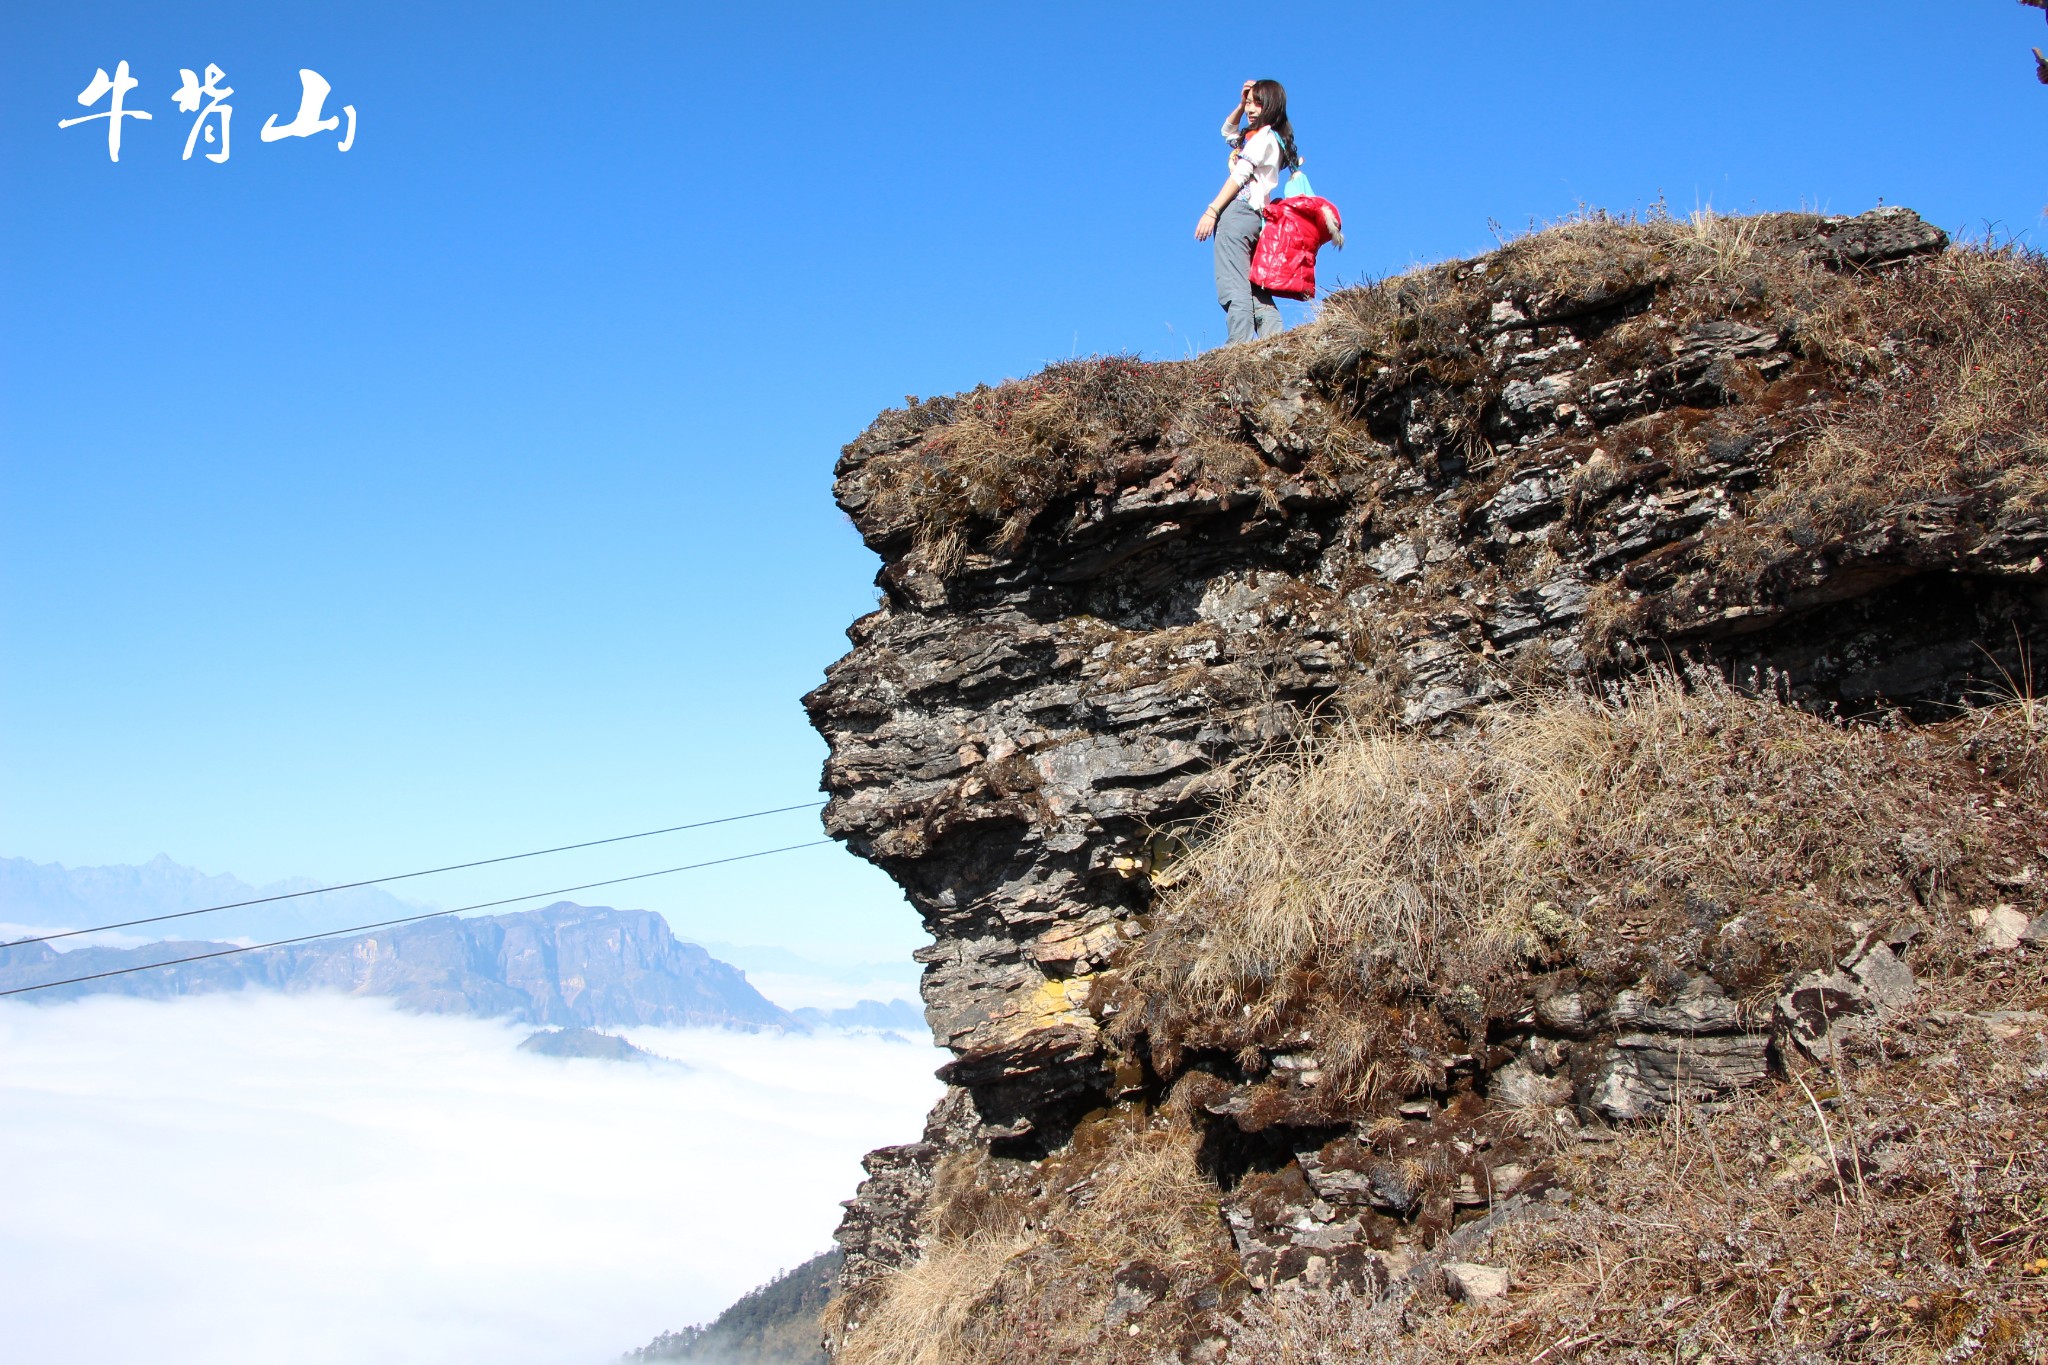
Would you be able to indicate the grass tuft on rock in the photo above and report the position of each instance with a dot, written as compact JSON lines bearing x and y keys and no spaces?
{"x":1026,"y":1264}
{"x":1941,"y":354}
{"x":1382,"y":887}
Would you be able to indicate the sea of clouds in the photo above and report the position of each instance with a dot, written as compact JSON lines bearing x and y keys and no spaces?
{"x":317,"y":1179}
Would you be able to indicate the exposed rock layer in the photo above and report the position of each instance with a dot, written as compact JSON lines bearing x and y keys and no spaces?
{"x":1566,"y":489}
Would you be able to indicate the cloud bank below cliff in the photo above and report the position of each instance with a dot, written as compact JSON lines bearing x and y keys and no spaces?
{"x":256,"y":1177}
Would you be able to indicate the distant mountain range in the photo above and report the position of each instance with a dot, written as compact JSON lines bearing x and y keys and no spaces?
{"x":772,"y":960}
{"x":565,"y":966}
{"x":898,"y":1016}
{"x":53,"y":896}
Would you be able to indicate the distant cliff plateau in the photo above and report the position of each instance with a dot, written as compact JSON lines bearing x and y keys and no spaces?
{"x":565,"y":965}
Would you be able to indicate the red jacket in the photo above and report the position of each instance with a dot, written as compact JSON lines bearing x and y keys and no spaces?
{"x":1284,"y":262}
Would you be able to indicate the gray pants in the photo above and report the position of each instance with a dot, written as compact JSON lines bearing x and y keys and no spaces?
{"x":1248,"y":308}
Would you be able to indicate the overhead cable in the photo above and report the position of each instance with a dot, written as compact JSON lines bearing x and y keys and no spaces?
{"x":408,"y":919}
{"x":406,"y":876}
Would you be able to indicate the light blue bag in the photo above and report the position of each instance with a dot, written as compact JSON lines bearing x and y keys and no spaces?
{"x":1297,"y":185}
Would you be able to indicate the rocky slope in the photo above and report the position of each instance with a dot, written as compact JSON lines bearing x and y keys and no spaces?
{"x":777,"y":1324}
{"x":565,"y":965}
{"x":1803,"y":453}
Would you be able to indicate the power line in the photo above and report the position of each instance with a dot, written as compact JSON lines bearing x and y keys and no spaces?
{"x":408,"y":919}
{"x":405,"y":876}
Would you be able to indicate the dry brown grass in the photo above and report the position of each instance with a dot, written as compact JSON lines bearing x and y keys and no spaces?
{"x":1888,"y":1204}
{"x":1008,"y":451}
{"x":1391,"y":894}
{"x":1022,"y":1263}
{"x":1950,"y":352}
{"x":1432,"y":320}
{"x":2007,"y":734}
{"x":928,"y":1312}
{"x":1421,"y":320}
{"x":1890,"y":1207}
{"x":1946,"y":352}
{"x":1382,"y":886}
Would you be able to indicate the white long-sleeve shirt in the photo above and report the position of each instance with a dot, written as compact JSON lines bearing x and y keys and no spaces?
{"x":1260,"y":155}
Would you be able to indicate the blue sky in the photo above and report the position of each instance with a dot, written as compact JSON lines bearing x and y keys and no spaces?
{"x":470,"y":490}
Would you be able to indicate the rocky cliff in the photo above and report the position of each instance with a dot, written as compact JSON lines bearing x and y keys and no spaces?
{"x":1780,"y":472}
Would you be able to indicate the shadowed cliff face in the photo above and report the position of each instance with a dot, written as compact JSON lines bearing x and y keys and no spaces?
{"x":1112,"y":589}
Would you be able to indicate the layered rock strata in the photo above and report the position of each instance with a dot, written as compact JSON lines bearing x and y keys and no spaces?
{"x":1037,"y":707}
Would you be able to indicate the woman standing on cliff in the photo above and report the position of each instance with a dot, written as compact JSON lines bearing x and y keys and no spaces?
{"x":1259,"y":151}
